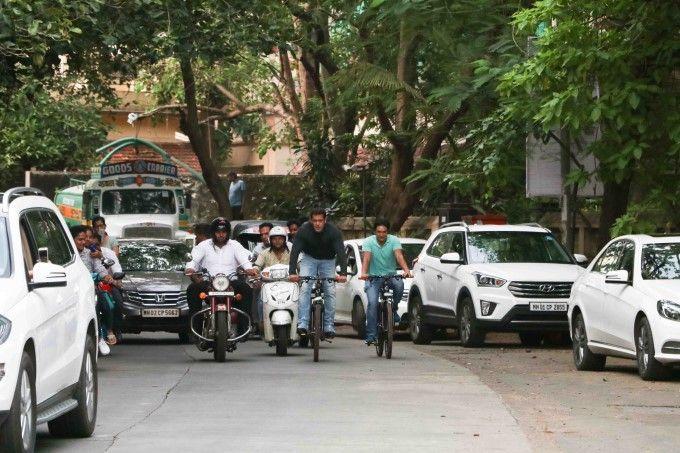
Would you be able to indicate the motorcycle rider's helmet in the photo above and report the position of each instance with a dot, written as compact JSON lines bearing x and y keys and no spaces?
{"x":220,"y":224}
{"x":278,"y":231}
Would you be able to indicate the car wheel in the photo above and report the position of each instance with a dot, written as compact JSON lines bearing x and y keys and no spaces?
{"x":531,"y":339}
{"x":359,"y":318}
{"x":421,"y":333}
{"x":18,"y":431}
{"x":471,"y":335}
{"x":584,"y":358}
{"x":80,"y":421}
{"x":649,"y":368}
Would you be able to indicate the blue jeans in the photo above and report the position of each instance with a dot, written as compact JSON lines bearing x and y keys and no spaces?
{"x":372,"y":288}
{"x":311,"y":267}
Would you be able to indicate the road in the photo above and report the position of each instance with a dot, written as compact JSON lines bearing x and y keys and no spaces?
{"x":157,"y":395}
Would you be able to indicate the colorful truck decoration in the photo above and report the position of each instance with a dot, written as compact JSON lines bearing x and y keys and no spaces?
{"x":138,"y":198}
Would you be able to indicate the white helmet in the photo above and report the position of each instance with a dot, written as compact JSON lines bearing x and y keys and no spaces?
{"x":278,"y":231}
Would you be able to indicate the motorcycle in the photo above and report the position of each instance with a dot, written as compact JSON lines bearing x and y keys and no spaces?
{"x":279,"y":308}
{"x":219,"y":321}
{"x":105,"y":289}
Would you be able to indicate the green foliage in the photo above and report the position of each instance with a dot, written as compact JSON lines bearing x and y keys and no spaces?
{"x":39,"y":130}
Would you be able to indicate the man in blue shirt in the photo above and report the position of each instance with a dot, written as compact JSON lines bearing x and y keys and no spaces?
{"x":381,"y":253}
{"x":237,"y":189}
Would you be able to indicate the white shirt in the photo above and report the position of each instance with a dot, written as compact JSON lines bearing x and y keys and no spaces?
{"x":109,"y":254}
{"x":219,"y":260}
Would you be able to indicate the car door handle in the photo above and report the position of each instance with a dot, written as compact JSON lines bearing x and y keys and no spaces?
{"x":439,"y":276}
{"x":422,"y":269}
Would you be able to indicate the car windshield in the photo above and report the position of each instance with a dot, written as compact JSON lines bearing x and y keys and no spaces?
{"x":515,"y":247}
{"x":139,"y":257}
{"x":661,"y":261}
{"x":138,"y":201}
{"x":4,"y":250}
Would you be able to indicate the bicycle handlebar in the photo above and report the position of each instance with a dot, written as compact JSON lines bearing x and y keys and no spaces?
{"x":378,"y":277}
{"x":318,"y":279}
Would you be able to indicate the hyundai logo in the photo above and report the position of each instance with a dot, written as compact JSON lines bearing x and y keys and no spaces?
{"x":546,"y":288}
{"x":160,"y":298}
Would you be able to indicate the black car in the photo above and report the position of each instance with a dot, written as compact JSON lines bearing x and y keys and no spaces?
{"x":154,"y":288}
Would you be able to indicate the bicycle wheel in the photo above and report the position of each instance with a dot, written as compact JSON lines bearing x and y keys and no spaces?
{"x":380,"y":337}
{"x":316,"y":330}
{"x":389,"y":330}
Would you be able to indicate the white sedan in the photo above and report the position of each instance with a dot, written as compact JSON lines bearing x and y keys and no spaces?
{"x":351,"y":302}
{"x":627,"y":304}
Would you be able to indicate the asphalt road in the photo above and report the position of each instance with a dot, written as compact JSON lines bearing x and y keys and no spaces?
{"x":560,"y":409}
{"x":157,"y":395}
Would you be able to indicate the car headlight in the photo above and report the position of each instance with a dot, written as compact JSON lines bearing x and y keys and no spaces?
{"x":5,"y":329}
{"x":668,"y":309}
{"x":220,"y":282}
{"x":489,"y":281}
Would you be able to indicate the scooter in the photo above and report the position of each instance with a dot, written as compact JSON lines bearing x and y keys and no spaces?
{"x":280,"y":308}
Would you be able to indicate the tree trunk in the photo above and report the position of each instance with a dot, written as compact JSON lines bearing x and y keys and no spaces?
{"x":190,"y":125}
{"x":614,"y":205}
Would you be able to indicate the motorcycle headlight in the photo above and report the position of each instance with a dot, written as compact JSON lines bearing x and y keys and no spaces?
{"x":220,"y":282}
{"x":668,"y":309}
{"x":278,"y":274}
{"x":489,"y":281}
{"x":5,"y":329}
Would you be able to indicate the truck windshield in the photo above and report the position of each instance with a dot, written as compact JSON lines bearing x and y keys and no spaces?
{"x":515,"y":247}
{"x":138,"y":201}
{"x":4,"y":250}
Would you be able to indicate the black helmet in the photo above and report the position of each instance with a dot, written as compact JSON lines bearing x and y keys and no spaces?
{"x":220,"y":224}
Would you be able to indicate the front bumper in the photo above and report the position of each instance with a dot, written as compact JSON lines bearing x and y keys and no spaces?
{"x":520,"y":318}
{"x":10,"y":358}
{"x":666,"y":334}
{"x":132,"y":320}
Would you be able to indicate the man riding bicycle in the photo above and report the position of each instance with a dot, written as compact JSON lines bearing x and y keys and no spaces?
{"x":381,"y":253}
{"x":321,"y":242}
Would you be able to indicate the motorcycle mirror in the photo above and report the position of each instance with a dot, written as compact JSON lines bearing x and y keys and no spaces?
{"x":119,"y":275}
{"x":108,"y":262}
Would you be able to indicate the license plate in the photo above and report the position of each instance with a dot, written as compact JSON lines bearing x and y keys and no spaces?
{"x":547,"y":306}
{"x":221,"y":293}
{"x":160,"y":312}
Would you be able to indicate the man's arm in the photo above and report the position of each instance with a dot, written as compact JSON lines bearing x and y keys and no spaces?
{"x":294,"y":253}
{"x":399,"y":255}
{"x":197,"y":255}
{"x":243,"y":258}
{"x":340,"y":252}
{"x":365,"y":264}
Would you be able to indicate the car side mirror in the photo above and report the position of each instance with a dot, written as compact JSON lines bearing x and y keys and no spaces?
{"x":581,"y":260}
{"x":451,"y":258}
{"x":47,"y":275}
{"x":617,"y":277}
{"x":118,"y":275}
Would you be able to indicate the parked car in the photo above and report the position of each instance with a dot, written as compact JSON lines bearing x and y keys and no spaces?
{"x":154,"y":288}
{"x":627,"y":304}
{"x":48,"y":325}
{"x":483,"y":278}
{"x":351,"y":301}
{"x":247,"y":232}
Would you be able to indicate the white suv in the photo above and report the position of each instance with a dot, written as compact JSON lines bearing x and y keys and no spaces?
{"x":482,"y":278}
{"x":47,"y":325}
{"x":628,"y":305}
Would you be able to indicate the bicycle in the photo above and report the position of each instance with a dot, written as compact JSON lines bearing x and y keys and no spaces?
{"x":317,"y":308}
{"x":385,"y":325}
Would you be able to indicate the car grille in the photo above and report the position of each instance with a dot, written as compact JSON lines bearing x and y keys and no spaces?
{"x":147,"y":232}
{"x":541,"y":290}
{"x":157,"y":298}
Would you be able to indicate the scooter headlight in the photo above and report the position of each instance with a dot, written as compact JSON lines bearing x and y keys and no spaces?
{"x":220,"y":282}
{"x":278,"y":274}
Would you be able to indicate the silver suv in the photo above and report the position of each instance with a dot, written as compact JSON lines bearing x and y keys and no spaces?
{"x":481,"y":278}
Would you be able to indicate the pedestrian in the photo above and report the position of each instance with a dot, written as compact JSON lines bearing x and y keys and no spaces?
{"x":237,"y":189}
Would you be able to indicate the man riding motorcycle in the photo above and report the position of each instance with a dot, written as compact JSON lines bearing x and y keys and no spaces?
{"x":321,"y":242}
{"x":219,"y":255}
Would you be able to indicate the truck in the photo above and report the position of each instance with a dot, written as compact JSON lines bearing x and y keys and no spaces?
{"x":137,"y":198}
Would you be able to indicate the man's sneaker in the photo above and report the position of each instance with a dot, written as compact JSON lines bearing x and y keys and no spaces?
{"x":370,"y":341}
{"x":302,"y":331}
{"x":329,"y":335}
{"x":396,"y":318}
{"x":104,"y":349}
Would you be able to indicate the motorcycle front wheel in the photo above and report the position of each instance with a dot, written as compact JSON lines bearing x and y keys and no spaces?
{"x":222,"y":333}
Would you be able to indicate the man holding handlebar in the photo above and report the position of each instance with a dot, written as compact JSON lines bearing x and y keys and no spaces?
{"x":381,"y":253}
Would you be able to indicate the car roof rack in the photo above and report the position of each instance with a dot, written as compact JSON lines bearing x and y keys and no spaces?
{"x":532,"y":224}
{"x":15,"y":192}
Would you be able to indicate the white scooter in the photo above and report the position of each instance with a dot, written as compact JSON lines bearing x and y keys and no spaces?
{"x":279,"y":308}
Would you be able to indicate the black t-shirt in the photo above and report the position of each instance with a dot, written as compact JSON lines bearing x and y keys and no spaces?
{"x":326,"y":245}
